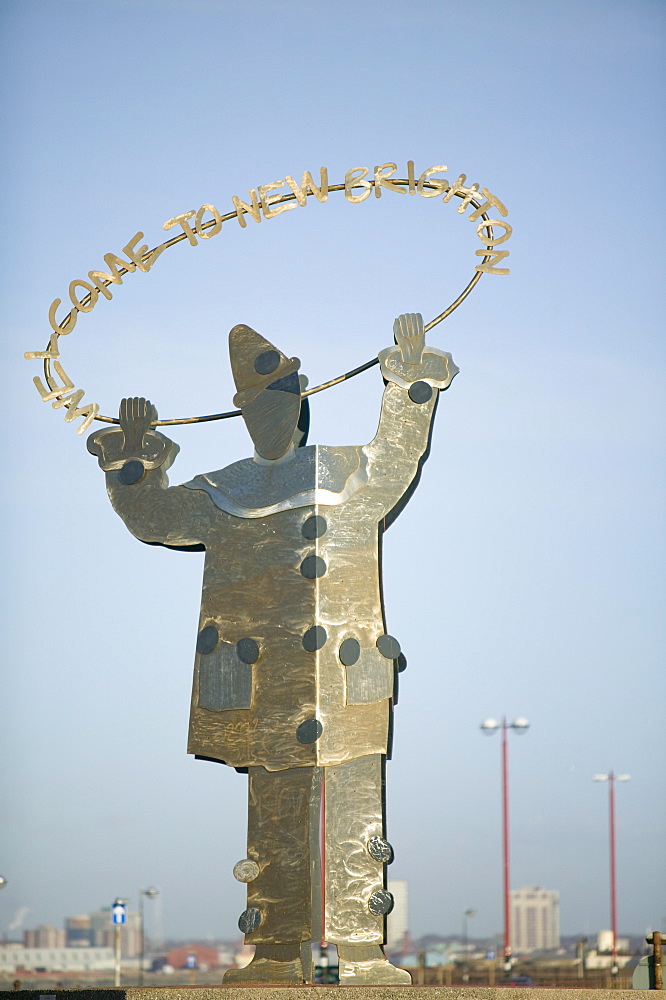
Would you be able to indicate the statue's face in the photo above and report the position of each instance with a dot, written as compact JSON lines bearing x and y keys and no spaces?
{"x":271,"y":418}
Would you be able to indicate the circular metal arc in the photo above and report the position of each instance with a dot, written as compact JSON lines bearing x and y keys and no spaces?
{"x":318,"y":388}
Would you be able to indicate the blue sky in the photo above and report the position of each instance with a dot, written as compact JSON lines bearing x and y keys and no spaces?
{"x":526,"y":575}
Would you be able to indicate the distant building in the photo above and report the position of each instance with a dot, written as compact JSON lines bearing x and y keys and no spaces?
{"x":95,"y":930}
{"x":78,"y":932}
{"x":44,"y":937}
{"x":397,"y":922}
{"x":535,"y":919}
{"x":14,"y":958}
{"x":605,"y":943}
{"x":204,"y":957}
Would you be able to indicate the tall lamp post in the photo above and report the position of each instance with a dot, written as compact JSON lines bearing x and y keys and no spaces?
{"x":150,"y":894}
{"x":520,"y":726}
{"x":611,"y":778}
{"x":465,"y":917}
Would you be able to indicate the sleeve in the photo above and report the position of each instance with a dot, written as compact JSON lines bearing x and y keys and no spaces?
{"x":161,"y":515}
{"x":400,"y":446}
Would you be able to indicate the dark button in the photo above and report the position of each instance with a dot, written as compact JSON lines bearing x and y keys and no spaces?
{"x":247,"y":650}
{"x":380,"y":850}
{"x":266,"y":362}
{"x":402,"y":662}
{"x":388,"y":647}
{"x":249,"y":920}
{"x":349,"y":651}
{"x":131,"y":472}
{"x":314,"y":638}
{"x":380,"y":902}
{"x":309,"y":731}
{"x":420,"y":392}
{"x":314,"y":527}
{"x":313,"y":567}
{"x":207,"y":639}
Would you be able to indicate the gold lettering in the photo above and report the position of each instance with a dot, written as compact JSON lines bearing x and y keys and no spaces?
{"x":320,"y":193}
{"x":92,"y":295}
{"x":136,"y":254}
{"x":458,"y":187}
{"x":352,"y":181}
{"x":117,"y":267}
{"x":267,"y":200}
{"x":181,"y":220}
{"x":491,"y":202}
{"x":494,"y":255}
{"x":242,"y":208}
{"x":382,"y":175}
{"x":47,"y":393}
{"x":493,"y":241}
{"x":69,"y":321}
{"x":89,"y":412}
{"x":50,"y":352}
{"x":212,"y":230}
{"x":410,"y":176}
{"x":437,"y":184}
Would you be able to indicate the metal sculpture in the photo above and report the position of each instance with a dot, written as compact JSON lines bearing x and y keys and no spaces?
{"x":294,"y":670}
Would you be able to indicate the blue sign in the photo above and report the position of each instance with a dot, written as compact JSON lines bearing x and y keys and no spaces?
{"x":191,"y":961}
{"x":490,"y":956}
{"x":118,"y":913}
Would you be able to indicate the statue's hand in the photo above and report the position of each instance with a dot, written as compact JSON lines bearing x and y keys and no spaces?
{"x":134,"y":440}
{"x":410,"y":337}
{"x":136,"y":415}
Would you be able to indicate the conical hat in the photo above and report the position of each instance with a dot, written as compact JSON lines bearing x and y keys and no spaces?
{"x":255,"y":363}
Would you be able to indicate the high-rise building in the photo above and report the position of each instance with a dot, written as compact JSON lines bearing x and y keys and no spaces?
{"x":78,"y":931}
{"x":44,"y":937}
{"x":535,"y":919}
{"x":397,"y":922}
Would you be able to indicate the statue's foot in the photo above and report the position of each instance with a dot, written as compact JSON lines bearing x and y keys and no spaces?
{"x":369,"y":966}
{"x":271,"y":964}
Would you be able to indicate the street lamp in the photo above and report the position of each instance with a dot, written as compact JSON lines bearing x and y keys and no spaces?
{"x":519,"y":726}
{"x":3,"y":881}
{"x":150,"y":894}
{"x":465,"y":917}
{"x":611,"y":778}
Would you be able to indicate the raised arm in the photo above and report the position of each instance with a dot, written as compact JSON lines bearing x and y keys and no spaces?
{"x":414,"y":376}
{"x":136,"y":459}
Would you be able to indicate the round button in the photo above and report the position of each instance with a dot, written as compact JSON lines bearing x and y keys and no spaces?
{"x":314,"y":527}
{"x":379,"y":849}
{"x":349,"y":651}
{"x":246,"y":870}
{"x":388,"y":647}
{"x":267,"y":362}
{"x":132,"y":472}
{"x":420,"y":392}
{"x":309,"y":731}
{"x":313,"y":567}
{"x":249,"y":920}
{"x":207,"y":639}
{"x":247,"y":650}
{"x":381,"y":902}
{"x":314,"y":638}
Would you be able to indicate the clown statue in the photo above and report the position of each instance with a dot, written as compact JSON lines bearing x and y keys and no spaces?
{"x":294,"y":673}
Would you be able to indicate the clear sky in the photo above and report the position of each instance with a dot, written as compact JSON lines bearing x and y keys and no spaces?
{"x":525,"y":577}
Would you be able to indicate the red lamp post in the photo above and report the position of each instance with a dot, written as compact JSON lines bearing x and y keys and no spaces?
{"x":520,"y":726}
{"x":611,"y":778}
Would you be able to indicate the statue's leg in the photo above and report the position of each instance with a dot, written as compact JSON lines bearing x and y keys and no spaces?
{"x":278,"y":915}
{"x":355,"y":883}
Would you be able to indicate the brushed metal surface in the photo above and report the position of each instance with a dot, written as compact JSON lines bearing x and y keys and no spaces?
{"x":278,"y":840}
{"x":294,"y":668}
{"x":354,"y":815}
